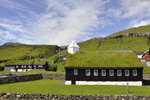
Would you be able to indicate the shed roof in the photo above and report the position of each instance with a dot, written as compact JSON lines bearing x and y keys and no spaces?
{"x":25,"y":62}
{"x":73,"y":44}
{"x":103,"y":59}
{"x":139,"y":53}
{"x":18,"y":62}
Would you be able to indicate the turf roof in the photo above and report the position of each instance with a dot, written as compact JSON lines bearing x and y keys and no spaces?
{"x":103,"y":59}
{"x":25,"y":62}
{"x":18,"y":62}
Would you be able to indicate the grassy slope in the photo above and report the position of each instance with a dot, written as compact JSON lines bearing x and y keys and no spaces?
{"x":134,"y":30}
{"x":13,"y":52}
{"x":138,"y":44}
{"x":53,"y":87}
{"x":103,"y":59}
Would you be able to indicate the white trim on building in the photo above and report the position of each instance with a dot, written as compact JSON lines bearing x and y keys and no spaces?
{"x":133,"y":83}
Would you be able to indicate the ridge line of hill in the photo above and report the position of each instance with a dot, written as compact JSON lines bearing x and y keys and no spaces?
{"x":120,"y":36}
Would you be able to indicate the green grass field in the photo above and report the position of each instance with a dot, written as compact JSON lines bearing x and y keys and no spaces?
{"x":34,"y":72}
{"x":54,"y":87}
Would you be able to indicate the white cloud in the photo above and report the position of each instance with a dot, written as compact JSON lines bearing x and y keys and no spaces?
{"x":66,"y":20}
{"x":12,"y":4}
{"x":130,"y":8}
{"x":6,"y":36}
{"x":137,"y":23}
{"x":14,"y":31}
{"x":135,"y":8}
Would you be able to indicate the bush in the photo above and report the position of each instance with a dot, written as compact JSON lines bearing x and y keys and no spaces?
{"x":56,"y":59}
{"x":25,"y":57}
{"x":1,"y":68}
{"x":63,"y":62}
{"x":53,"y":67}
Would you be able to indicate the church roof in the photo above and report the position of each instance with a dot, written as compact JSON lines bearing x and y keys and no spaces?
{"x":73,"y":44}
{"x":103,"y":59}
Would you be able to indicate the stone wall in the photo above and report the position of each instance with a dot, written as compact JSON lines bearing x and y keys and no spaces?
{"x":23,"y":78}
{"x":13,"y":79}
{"x":20,"y":96}
{"x":54,"y":76}
{"x":146,"y":76}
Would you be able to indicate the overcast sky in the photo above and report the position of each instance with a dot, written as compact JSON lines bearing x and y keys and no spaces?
{"x":58,"y":22}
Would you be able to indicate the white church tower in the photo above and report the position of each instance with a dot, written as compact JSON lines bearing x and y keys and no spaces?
{"x":73,"y":47}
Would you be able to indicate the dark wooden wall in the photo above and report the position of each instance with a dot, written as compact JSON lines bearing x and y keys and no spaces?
{"x":82,"y":75}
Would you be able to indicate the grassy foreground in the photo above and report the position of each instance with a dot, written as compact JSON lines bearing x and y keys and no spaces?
{"x":54,"y":87}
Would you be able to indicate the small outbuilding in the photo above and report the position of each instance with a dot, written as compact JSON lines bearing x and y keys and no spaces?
{"x":103,"y":68}
{"x":18,"y":65}
{"x":145,"y":59}
{"x":23,"y":66}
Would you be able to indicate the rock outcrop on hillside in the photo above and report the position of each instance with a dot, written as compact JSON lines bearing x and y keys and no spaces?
{"x":128,"y":34}
{"x":123,"y":35}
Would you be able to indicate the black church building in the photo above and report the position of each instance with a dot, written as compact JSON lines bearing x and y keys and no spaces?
{"x":103,"y":68}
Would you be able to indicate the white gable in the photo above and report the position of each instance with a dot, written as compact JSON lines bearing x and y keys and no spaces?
{"x":73,"y":44}
{"x":73,"y":47}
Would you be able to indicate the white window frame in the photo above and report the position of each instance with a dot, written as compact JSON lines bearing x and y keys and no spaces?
{"x":127,"y":72}
{"x":75,"y":72}
{"x":40,"y":66}
{"x":95,"y":71}
{"x":22,"y":66}
{"x":17,"y":66}
{"x":119,"y":72}
{"x":134,"y":72}
{"x":88,"y":72}
{"x":103,"y":72}
{"x":111,"y":72}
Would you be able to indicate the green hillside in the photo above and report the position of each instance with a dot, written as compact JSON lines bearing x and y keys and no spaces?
{"x":134,"y":43}
{"x":138,"y":44}
{"x":134,"y":30}
{"x":19,"y":51}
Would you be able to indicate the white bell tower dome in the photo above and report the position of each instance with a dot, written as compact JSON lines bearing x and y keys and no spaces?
{"x":73,"y":47}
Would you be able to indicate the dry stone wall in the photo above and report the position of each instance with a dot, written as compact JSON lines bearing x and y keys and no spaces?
{"x":54,"y":76}
{"x":32,"y":77}
{"x":146,"y":76}
{"x":24,"y":96}
{"x":23,"y":78}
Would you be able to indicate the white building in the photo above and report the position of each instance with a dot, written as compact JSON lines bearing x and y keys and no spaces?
{"x":73,"y":47}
